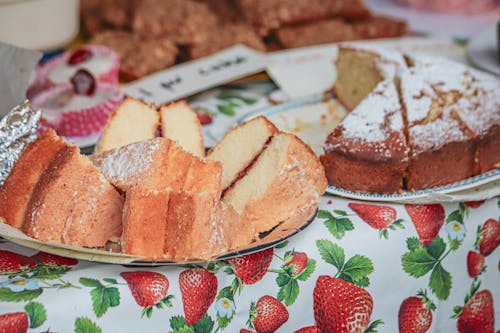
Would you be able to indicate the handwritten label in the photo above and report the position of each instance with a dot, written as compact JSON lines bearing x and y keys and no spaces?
{"x":198,"y":75}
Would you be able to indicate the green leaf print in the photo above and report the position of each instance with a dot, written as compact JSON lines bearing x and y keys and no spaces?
{"x":228,"y":110}
{"x":204,"y":325}
{"x":289,"y":292}
{"x":440,"y":282}
{"x":85,"y":325}
{"x":436,"y":248}
{"x":36,"y":313}
{"x":103,"y":298}
{"x":424,"y":259}
{"x":7,"y":295}
{"x":336,"y":225}
{"x":418,"y":262}
{"x":331,"y":253}
{"x":48,"y":272}
{"x":357,"y":268}
{"x":412,"y":243}
{"x":87,"y":282}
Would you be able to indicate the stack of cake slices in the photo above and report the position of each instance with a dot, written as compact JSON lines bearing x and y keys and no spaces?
{"x":160,"y":197}
{"x":414,"y":123}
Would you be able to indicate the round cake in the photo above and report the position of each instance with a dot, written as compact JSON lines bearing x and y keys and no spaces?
{"x":415,"y":122}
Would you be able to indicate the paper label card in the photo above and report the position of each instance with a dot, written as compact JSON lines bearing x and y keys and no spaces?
{"x":197,"y":75}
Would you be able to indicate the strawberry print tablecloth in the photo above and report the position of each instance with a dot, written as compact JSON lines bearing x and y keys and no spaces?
{"x":358,"y":267}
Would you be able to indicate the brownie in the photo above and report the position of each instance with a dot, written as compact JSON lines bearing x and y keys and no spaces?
{"x":380,"y":27}
{"x":223,"y":36}
{"x":138,"y":56}
{"x":321,"y":32}
{"x":182,"y":21}
{"x":266,"y":15}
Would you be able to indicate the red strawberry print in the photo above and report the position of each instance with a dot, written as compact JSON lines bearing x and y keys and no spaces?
{"x":246,"y":331}
{"x":16,"y":322}
{"x":308,"y":329}
{"x":198,"y":289}
{"x":377,"y":217}
{"x":341,"y":306}
{"x":478,"y":315}
{"x":415,"y":314}
{"x":474,"y":204}
{"x":148,"y":288}
{"x":11,"y":262}
{"x":252,"y":267}
{"x":53,"y":259}
{"x":475,"y":263}
{"x":299,"y":259}
{"x":490,"y":237}
{"x":427,"y":219}
{"x":204,"y":117}
{"x":269,"y":313}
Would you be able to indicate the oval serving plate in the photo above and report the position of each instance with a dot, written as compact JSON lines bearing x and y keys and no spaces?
{"x":280,"y":234}
{"x":312,"y":119}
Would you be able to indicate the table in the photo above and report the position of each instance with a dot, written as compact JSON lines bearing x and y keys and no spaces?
{"x":389,"y":264}
{"x":370,"y":262}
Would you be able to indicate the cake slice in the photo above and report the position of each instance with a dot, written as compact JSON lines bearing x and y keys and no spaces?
{"x":191,"y":220}
{"x":180,"y":123}
{"x":156,"y":164}
{"x":441,"y":151}
{"x":132,"y":121}
{"x":240,"y":146}
{"x":19,"y":185}
{"x":144,"y":222}
{"x":367,"y":151}
{"x":286,"y":177}
{"x":74,"y":204}
{"x":360,"y":68}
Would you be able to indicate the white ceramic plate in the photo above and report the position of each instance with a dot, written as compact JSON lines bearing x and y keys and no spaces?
{"x":482,"y":50}
{"x":309,"y":120}
{"x":276,"y":236}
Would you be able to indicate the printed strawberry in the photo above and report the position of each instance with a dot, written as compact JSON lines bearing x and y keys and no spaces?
{"x":490,"y":237}
{"x":252,"y":267}
{"x":341,"y":306}
{"x":268,"y":314}
{"x":11,"y":262}
{"x":16,"y":322}
{"x":246,"y":331}
{"x":427,"y":219}
{"x":475,"y":263}
{"x":377,"y":217}
{"x":205,"y":118}
{"x":198,"y":288}
{"x":308,"y":329}
{"x":148,"y":289}
{"x":415,"y":314}
{"x":474,"y":204}
{"x":53,"y":259}
{"x":299,"y":259}
{"x":478,"y":315}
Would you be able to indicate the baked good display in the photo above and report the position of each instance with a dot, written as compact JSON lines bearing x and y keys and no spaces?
{"x":156,"y":200}
{"x":173,"y":31}
{"x":415,"y":122}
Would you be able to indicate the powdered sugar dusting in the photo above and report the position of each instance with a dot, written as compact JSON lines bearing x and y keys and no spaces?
{"x":435,"y":134}
{"x":128,"y":164}
{"x":368,"y":120}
